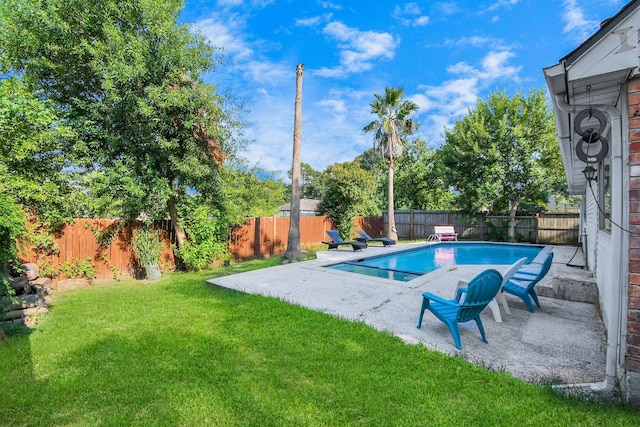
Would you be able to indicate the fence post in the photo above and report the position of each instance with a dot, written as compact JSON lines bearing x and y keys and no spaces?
{"x":257,"y":249}
{"x":411,"y":225}
{"x":275,"y":229}
{"x":537,"y":227}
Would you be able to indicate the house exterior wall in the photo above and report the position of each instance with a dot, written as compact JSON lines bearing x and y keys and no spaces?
{"x":606,"y":289}
{"x":632,"y":354}
{"x":607,"y":63}
{"x":614,"y":256}
{"x":590,"y":229}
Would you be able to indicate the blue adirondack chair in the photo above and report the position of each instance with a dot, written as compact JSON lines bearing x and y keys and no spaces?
{"x":522,"y":285}
{"x":481,"y":290}
{"x":535,"y":266}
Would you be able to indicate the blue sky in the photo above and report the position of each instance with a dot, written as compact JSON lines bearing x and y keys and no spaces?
{"x":445,"y":54}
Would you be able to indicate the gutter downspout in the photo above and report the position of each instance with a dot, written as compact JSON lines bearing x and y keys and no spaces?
{"x":615,"y":324}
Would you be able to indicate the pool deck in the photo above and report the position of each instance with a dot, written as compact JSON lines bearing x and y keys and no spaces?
{"x":563,"y":342}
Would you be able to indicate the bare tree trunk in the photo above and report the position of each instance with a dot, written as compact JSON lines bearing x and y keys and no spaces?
{"x":293,"y":246}
{"x":512,"y":221}
{"x":391,"y":230}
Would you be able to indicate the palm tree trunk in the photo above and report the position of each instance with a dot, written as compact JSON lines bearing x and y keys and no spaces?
{"x":391,"y":230}
{"x":293,"y":246}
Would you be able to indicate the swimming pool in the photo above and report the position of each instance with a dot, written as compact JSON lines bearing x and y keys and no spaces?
{"x":410,"y":264}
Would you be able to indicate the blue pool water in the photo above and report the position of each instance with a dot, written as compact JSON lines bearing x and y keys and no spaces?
{"x":407,"y":265}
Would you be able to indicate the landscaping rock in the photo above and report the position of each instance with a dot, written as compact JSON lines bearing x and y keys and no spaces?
{"x":20,"y":285}
{"x":31,"y":270}
{"x":41,"y":285}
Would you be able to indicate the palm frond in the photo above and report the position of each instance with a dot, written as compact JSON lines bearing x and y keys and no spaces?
{"x":393,"y":122}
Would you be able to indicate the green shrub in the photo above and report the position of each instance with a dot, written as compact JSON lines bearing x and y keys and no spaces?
{"x":147,"y":246}
{"x":12,"y":228}
{"x":498,"y":233}
{"x":207,"y":240}
{"x":79,"y":268}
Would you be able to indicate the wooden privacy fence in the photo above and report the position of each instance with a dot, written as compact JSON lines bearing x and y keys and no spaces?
{"x":113,"y":257}
{"x":548,"y":228}
{"x":270,"y":235}
{"x":104,"y":243}
{"x":107,"y":245}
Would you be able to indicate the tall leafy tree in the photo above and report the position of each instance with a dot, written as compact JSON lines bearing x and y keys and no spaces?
{"x":35,"y":149}
{"x":418,"y":183}
{"x":311,"y":186}
{"x":391,"y":127}
{"x":251,"y":192}
{"x":350,"y":191}
{"x":35,"y":193}
{"x":128,"y":77}
{"x":372,"y":160}
{"x":503,"y":153}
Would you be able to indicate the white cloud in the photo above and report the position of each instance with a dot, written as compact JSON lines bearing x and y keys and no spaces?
{"x":576,"y":25}
{"x":225,"y":35}
{"x":476,"y":41}
{"x":336,"y":107}
{"x":335,"y":72}
{"x":329,"y":5}
{"x":252,"y":3}
{"x":267,"y":73}
{"x":410,"y":14}
{"x":421,"y":21}
{"x":503,"y":3}
{"x":331,"y":123}
{"x":359,"y":49}
{"x":493,"y":66}
{"x":229,"y":35}
{"x":230,"y":2}
{"x":446,"y":8}
{"x":313,"y":21}
{"x":442,"y":105}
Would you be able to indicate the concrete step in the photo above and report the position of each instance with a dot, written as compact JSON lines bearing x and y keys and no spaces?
{"x":569,"y":284}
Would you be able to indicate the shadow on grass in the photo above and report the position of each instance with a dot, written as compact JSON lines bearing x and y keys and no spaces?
{"x":179,"y":352}
{"x":112,"y":383}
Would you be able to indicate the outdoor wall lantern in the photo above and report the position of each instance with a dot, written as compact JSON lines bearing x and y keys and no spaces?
{"x":590,"y":173}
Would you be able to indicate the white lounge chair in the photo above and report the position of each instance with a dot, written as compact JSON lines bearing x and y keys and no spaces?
{"x":493,"y":305}
{"x":443,"y":232}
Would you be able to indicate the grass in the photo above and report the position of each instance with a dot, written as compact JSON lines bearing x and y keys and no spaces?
{"x":179,"y":352}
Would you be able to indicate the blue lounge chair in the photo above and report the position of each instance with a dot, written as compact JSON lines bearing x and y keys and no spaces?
{"x":521,"y":285}
{"x":535,"y":266}
{"x":364,"y":237}
{"x":481,"y":290}
{"x":336,"y":241}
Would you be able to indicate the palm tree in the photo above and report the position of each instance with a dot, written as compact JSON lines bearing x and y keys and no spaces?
{"x":391,"y":127}
{"x":293,"y":246}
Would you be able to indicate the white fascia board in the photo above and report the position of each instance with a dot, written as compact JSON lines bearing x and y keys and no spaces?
{"x":617,"y":50}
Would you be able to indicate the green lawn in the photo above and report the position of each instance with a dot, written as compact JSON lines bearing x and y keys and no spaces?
{"x":180,"y":352}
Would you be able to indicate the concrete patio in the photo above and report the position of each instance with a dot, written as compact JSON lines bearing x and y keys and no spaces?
{"x":561,"y":343}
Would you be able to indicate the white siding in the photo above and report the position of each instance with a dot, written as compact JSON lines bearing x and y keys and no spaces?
{"x":598,"y":253}
{"x":606,"y":288}
{"x":590,"y":228}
